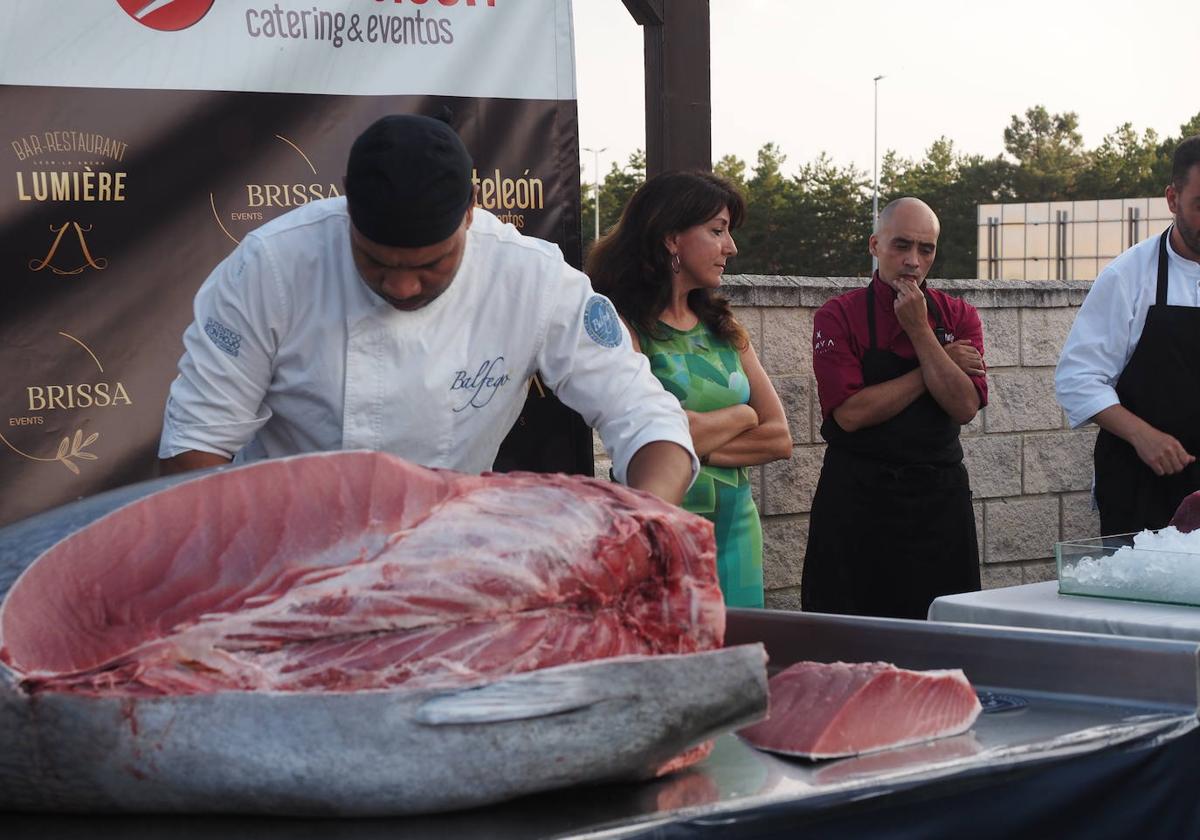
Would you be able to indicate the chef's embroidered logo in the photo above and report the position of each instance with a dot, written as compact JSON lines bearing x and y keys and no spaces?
{"x":480,"y":386}
{"x":225,"y":338}
{"x":820,"y":344}
{"x":601,"y":322}
{"x":166,"y":15}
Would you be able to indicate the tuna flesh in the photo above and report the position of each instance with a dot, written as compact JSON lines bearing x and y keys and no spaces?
{"x":1187,"y":515}
{"x":827,"y":710}
{"x":349,"y":633}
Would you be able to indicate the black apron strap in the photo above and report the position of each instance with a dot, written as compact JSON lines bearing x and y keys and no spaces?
{"x":871,"y":314}
{"x":1161,"y":297}
{"x":939,"y":329}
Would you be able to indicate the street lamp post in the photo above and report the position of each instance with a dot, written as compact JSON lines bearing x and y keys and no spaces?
{"x":875,"y":174}
{"x":596,"y":181}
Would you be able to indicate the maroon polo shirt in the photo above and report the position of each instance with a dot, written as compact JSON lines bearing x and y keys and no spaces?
{"x":840,"y":338}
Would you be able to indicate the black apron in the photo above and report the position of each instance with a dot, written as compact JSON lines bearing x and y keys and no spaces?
{"x":891,"y":526}
{"x":1161,"y":385}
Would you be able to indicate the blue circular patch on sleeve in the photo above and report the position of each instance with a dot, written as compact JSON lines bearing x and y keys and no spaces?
{"x":601,"y":322}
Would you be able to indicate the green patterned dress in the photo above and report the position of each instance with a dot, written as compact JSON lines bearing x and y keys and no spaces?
{"x":705,"y":373}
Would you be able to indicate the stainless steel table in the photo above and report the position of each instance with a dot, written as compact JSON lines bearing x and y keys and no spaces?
{"x":1073,"y":714}
{"x":1039,"y":605}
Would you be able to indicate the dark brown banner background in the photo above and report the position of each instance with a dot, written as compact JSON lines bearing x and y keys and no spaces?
{"x":97,"y":292}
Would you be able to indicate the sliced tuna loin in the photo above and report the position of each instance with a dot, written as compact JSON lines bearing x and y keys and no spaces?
{"x":826,"y":710}
{"x":1187,"y":515}
{"x":356,"y":570}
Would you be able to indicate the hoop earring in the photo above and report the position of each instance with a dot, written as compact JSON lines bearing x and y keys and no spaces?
{"x":675,"y":267}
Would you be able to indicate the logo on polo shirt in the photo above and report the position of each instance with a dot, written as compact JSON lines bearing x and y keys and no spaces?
{"x":821,"y":344}
{"x":166,"y":15}
{"x":480,"y":386}
{"x":601,"y":322}
{"x":226,"y":339}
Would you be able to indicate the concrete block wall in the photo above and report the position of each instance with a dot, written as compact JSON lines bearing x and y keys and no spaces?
{"x":1030,"y":473}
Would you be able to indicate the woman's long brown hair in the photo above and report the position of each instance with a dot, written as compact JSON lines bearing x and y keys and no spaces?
{"x":631,"y":266}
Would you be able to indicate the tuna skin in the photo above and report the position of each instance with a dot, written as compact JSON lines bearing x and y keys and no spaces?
{"x":371,"y":753}
{"x":231,"y":645}
{"x":829,"y":710}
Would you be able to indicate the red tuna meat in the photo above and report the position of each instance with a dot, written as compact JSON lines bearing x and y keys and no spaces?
{"x":1187,"y":515}
{"x":827,"y":710}
{"x":356,"y":570}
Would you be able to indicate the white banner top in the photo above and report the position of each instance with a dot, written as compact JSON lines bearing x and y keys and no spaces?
{"x":295,"y":46}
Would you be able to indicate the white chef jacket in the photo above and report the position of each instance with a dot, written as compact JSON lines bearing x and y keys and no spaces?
{"x":1109,"y":324}
{"x":290,"y":352}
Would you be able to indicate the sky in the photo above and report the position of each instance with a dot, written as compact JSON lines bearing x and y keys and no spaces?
{"x":799,"y":73}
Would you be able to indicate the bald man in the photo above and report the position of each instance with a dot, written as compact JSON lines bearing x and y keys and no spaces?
{"x":899,"y":370}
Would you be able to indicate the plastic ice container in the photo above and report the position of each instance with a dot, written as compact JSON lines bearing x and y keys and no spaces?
{"x":1111,"y":567}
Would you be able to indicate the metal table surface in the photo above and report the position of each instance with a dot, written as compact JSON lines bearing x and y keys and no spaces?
{"x":1040,"y":605}
{"x":1075,"y":695}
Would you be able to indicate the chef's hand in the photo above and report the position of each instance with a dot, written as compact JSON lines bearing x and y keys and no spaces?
{"x":911,"y":310}
{"x":1161,"y":452}
{"x":964,"y":354}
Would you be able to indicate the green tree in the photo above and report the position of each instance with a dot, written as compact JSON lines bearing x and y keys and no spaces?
{"x":831,"y":221}
{"x":817,"y":222}
{"x":1049,"y":152}
{"x":615,"y":191}
{"x":1166,"y":151}
{"x":1124,"y":165}
{"x":762,"y":242}
{"x":1190,"y":128}
{"x":732,"y":168}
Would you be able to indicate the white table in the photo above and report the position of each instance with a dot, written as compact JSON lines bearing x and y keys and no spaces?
{"x":1039,"y":605}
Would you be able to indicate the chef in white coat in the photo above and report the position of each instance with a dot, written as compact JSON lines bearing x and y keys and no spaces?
{"x":401,"y":318}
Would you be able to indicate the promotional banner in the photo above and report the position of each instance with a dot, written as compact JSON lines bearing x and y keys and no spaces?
{"x":144,"y":138}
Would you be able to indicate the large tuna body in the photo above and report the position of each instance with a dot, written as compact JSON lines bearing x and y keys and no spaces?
{"x":315,"y":634}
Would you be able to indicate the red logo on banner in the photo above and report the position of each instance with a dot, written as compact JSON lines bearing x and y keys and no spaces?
{"x":166,"y":15}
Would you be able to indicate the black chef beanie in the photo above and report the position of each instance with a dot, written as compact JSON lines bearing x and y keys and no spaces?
{"x":408,"y":181}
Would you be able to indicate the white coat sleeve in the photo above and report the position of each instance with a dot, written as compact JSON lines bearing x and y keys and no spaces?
{"x":588,"y":360}
{"x":216,"y":402}
{"x":1098,"y":347}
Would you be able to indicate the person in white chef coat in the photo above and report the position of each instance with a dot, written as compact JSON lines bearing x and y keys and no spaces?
{"x":401,"y":318}
{"x":1131,"y":365}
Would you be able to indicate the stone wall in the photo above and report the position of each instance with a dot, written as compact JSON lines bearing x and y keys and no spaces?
{"x":1030,"y":473}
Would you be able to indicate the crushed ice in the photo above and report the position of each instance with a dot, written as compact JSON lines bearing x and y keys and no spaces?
{"x":1161,"y":565}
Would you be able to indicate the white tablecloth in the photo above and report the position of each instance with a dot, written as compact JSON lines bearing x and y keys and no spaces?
{"x":1039,"y":605}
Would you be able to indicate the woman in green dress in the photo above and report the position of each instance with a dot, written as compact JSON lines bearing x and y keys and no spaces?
{"x":661,"y":266}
